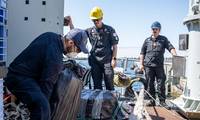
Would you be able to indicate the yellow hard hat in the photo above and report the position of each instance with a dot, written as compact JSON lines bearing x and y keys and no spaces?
{"x":96,"y":13}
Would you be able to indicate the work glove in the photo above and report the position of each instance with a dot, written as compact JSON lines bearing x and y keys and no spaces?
{"x":70,"y":64}
{"x":75,"y":67}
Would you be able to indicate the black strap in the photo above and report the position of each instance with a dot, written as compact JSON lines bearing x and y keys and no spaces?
{"x":97,"y":37}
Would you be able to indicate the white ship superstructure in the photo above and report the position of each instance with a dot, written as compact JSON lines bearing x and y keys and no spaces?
{"x":29,"y":18}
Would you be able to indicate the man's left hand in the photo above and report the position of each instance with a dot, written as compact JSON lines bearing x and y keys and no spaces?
{"x":113,"y":63}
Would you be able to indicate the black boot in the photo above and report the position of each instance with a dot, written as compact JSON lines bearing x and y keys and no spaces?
{"x":151,"y":103}
{"x":163,"y":104}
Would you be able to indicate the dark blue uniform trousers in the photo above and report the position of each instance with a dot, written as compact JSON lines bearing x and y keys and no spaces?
{"x":28,"y":91}
{"x":100,"y":71}
{"x":158,"y":74}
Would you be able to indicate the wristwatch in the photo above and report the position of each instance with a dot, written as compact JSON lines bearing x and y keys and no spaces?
{"x":114,"y":58}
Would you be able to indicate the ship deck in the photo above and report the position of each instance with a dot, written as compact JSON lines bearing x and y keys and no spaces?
{"x":160,"y":113}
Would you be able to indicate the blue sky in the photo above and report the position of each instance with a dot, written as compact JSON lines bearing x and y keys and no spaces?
{"x":132,"y":18}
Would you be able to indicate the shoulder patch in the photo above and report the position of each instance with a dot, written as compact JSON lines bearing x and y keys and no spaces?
{"x":116,"y":36}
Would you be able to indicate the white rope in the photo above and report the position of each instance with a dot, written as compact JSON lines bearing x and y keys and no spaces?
{"x":139,"y":109}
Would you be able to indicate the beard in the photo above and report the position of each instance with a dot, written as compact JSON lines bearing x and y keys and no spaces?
{"x":71,"y":50}
{"x":72,"y":54}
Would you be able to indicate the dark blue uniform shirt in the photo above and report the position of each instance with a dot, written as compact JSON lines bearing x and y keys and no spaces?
{"x":42,"y":59}
{"x":153,"y":51}
{"x":106,"y":37}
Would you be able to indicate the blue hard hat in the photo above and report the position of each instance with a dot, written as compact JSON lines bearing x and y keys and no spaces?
{"x":79,"y":37}
{"x":156,"y":24}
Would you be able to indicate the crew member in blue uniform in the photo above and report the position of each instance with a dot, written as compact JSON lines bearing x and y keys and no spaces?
{"x":152,"y":61}
{"x":33,"y":73}
{"x":102,"y":59}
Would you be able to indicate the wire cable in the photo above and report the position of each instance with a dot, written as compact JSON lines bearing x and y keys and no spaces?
{"x":161,"y":105}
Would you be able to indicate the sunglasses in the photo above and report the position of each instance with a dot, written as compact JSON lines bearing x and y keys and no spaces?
{"x":96,"y":20}
{"x":155,"y":29}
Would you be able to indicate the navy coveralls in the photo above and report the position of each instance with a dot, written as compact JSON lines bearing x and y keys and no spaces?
{"x":100,"y":57}
{"x":153,"y":52}
{"x":33,"y":74}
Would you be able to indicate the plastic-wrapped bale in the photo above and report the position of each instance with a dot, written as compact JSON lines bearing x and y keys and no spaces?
{"x":126,"y":109}
{"x":129,"y":91}
{"x":122,"y":80}
{"x":66,"y":96}
{"x":98,"y":104}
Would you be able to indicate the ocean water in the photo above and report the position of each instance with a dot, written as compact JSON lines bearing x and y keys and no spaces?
{"x":123,"y":64}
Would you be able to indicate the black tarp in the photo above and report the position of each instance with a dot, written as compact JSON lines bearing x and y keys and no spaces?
{"x":66,"y":96}
{"x":98,"y":104}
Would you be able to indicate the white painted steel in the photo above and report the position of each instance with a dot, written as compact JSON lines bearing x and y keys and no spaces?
{"x":193,"y":66}
{"x":21,"y":32}
{"x":190,"y":100}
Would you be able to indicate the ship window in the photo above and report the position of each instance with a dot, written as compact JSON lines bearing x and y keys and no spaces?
{"x":1,"y":12}
{"x":1,"y":43}
{"x":1,"y":58}
{"x":1,"y":31}
{"x":26,"y":1}
{"x":43,"y":2}
{"x":1,"y":19}
{"x":1,"y":51}
{"x":43,"y":19}
{"x":25,"y":18}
